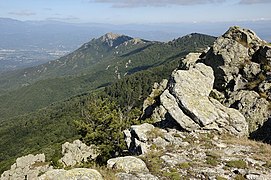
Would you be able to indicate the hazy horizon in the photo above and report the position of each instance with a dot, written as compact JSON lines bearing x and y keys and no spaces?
{"x":137,"y":11}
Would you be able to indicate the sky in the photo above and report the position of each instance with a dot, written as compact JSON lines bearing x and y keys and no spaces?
{"x":137,"y":11}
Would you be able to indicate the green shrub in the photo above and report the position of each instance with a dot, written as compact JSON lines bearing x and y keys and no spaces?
{"x":173,"y":174}
{"x":184,"y":165}
{"x":212,"y":161}
{"x":220,"y":178}
{"x":239,"y":177}
{"x":237,"y":164}
{"x":103,"y":125}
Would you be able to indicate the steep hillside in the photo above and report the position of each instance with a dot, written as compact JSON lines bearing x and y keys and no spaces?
{"x":94,"y":65}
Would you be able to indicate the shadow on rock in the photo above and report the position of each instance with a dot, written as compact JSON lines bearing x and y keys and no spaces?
{"x":263,"y":133}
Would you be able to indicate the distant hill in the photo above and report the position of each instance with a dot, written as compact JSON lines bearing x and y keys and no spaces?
{"x":94,"y":65}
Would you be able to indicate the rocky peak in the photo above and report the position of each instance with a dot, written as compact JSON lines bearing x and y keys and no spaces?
{"x":113,"y":40}
{"x":246,"y":37}
{"x":110,"y":36}
{"x":241,"y":64}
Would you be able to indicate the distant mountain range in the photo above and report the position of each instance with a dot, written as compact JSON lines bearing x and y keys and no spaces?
{"x":29,"y":43}
{"x":60,"y":35}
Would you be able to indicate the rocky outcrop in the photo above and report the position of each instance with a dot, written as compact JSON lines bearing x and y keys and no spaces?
{"x":128,"y":164}
{"x":77,"y":152}
{"x":142,"y":142}
{"x":201,"y":122}
{"x":189,"y":60}
{"x":73,"y":174}
{"x":137,"y":137}
{"x":241,"y":64}
{"x":158,"y":88}
{"x":254,"y":107}
{"x":27,"y":167}
{"x":130,"y":167}
{"x":35,"y":167}
{"x":230,"y":53}
{"x":186,"y":100}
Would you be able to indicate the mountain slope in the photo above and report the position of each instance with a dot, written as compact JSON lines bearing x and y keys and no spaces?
{"x":94,"y":65}
{"x":42,"y":129}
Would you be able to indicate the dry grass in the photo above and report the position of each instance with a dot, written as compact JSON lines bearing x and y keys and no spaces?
{"x":108,"y":174}
{"x":39,"y":164}
{"x":155,"y":133}
{"x":153,"y":161}
{"x":261,"y":151}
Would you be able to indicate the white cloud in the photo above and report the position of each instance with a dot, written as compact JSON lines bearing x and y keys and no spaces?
{"x":23,"y":13}
{"x":254,"y":1}
{"x":154,"y":3}
{"x":68,"y":18}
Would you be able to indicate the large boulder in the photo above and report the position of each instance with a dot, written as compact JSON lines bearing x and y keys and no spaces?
{"x":230,"y":53}
{"x":27,"y":167}
{"x":128,"y":164}
{"x":77,"y":152}
{"x":73,"y":174}
{"x":187,"y":102}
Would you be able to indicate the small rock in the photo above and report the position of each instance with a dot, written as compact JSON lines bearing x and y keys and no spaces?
{"x":160,"y":142}
{"x":253,"y":176}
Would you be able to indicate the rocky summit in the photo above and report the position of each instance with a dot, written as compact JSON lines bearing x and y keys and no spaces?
{"x":201,"y":123}
{"x":241,"y":66}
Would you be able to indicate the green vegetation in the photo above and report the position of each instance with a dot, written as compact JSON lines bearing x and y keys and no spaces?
{"x":239,"y":177}
{"x":184,"y":165}
{"x":220,"y":178}
{"x":103,"y":125}
{"x":42,"y":131}
{"x":172,"y":174}
{"x":236,"y":164}
{"x":268,"y":164}
{"x":211,"y":161}
{"x":154,"y":162}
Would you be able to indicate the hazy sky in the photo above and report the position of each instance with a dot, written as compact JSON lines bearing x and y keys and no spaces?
{"x":136,"y":11}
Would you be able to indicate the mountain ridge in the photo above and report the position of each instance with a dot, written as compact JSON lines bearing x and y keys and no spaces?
{"x":94,"y":65}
